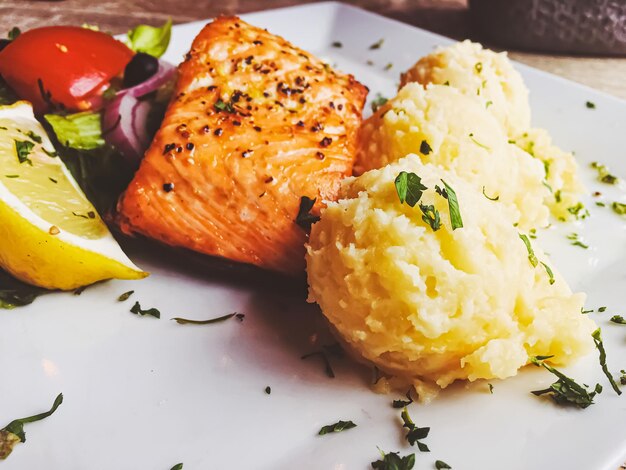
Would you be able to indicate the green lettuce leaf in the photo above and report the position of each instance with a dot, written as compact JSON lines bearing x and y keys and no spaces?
{"x":150,"y":39}
{"x":81,"y":131}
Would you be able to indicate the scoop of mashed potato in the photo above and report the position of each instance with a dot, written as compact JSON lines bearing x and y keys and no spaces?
{"x":481,"y":73}
{"x":490,"y":79}
{"x":455,"y":132}
{"x":435,"y":306}
{"x":561,"y":172}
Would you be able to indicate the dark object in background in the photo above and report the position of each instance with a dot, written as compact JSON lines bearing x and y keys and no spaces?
{"x":595,"y":27}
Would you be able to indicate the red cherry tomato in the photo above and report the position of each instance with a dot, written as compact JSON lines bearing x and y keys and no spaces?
{"x":64,"y":65}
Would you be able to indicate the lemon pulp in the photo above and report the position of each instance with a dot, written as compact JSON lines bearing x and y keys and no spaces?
{"x":50,"y":234}
{"x":41,"y":183}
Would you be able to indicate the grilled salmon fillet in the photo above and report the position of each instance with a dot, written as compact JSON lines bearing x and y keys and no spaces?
{"x":254,"y":125}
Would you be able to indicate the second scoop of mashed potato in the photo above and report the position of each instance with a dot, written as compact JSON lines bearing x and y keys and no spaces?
{"x":435,"y":306}
{"x":456,"y":133}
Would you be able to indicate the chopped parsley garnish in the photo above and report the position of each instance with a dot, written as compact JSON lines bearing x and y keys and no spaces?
{"x":388,"y":66}
{"x":471,"y":136}
{"x":496,"y":198}
{"x":604,"y":175}
{"x":178,"y":466}
{"x":490,"y":388}
{"x":575,"y":241}
{"x":578,"y":211}
{"x":489,"y":103}
{"x":597,"y":339}
{"x":619,"y":208}
{"x":393,"y":461}
{"x":185,"y":321}
{"x":23,"y":149}
{"x":377,"y":102}
{"x":531,"y":253}
{"x":600,"y":204}
{"x":268,"y":390}
{"x":565,"y":391}
{"x":425,"y":148}
{"x":137,"y":310}
{"x":11,"y":176}
{"x":323,"y":354}
{"x":622,"y":378}
{"x":590,"y":105}
{"x":478,"y":67}
{"x":430,"y":215}
{"x":585,"y":312}
{"x":34,"y":137}
{"x":403,"y":403}
{"x":409,"y":188}
{"x":453,"y":207}
{"x":602,"y":309}
{"x":549,"y":271}
{"x":125,"y":296}
{"x":221,"y":105}
{"x":13,"y":432}
{"x":336,"y":427}
{"x":377,"y":44}
{"x":337,"y":44}
{"x":618,"y":319}
{"x":441,"y":465}
{"x":52,"y":180}
{"x":415,"y":434}
{"x":304,"y":218}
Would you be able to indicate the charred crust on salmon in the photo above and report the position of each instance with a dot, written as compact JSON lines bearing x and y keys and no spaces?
{"x":325,"y":142}
{"x":254,"y":106}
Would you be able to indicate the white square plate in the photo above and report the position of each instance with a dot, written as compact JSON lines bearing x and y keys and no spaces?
{"x":142,"y":393}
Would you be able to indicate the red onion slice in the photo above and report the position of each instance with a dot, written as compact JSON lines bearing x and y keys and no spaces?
{"x":164,"y":74}
{"x":125,"y":119}
{"x":124,"y":125}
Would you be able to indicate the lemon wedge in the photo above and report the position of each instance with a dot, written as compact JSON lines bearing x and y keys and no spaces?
{"x":50,"y":234}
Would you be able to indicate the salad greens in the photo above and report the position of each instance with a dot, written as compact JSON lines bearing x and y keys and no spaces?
{"x":14,"y":293}
{"x":150,"y":39}
{"x":81,"y":131}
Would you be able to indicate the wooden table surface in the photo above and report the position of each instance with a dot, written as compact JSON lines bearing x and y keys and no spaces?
{"x":448,"y":17}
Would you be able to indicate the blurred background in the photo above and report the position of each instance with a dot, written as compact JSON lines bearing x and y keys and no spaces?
{"x":583,"y":40}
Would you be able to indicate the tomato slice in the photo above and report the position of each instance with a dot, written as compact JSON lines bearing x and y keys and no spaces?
{"x":64,"y":65}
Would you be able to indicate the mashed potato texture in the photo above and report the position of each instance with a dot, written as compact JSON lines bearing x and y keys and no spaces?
{"x":561,"y":172}
{"x":435,"y":306}
{"x":490,"y":79}
{"x":481,"y":73}
{"x":455,"y":132}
